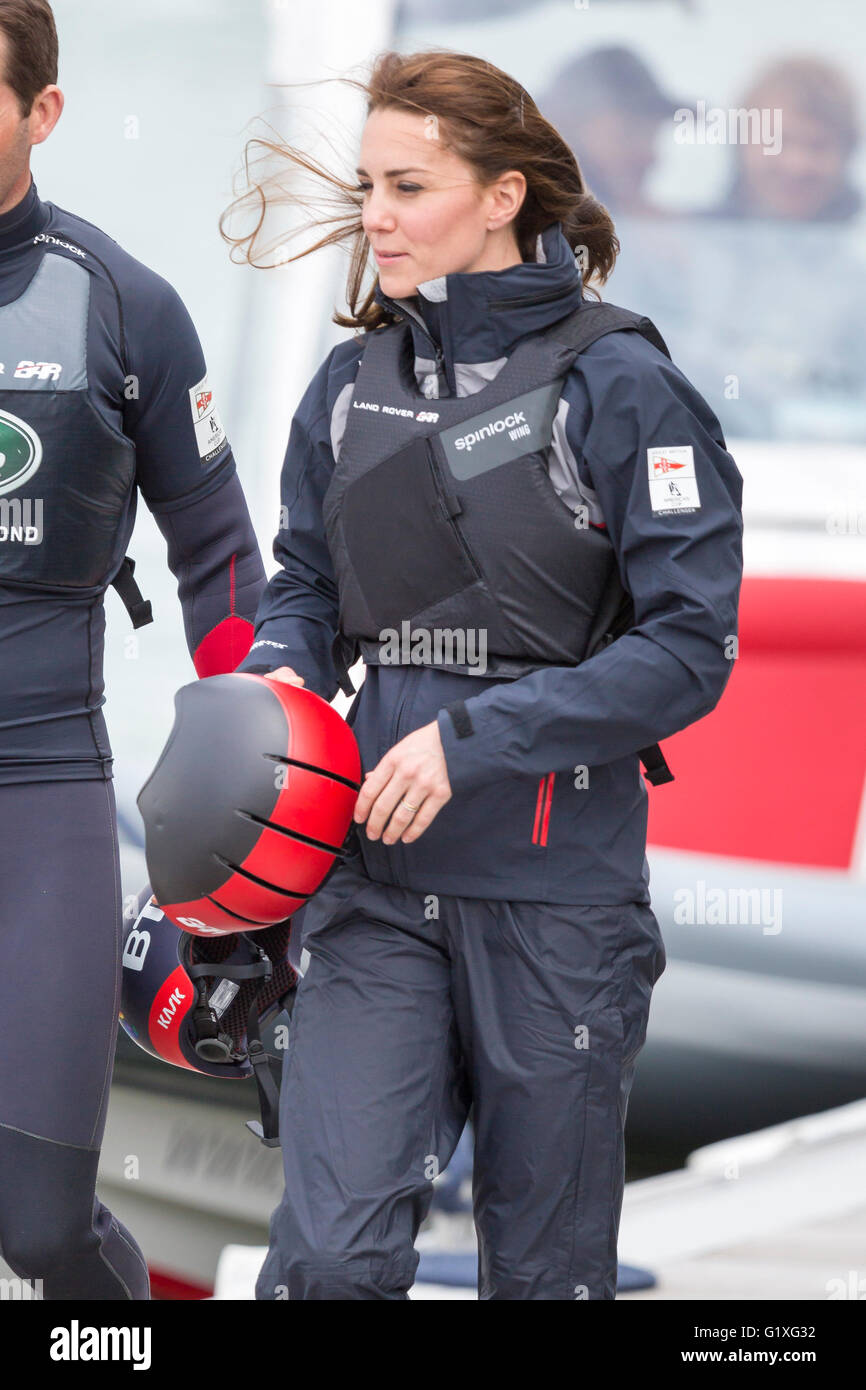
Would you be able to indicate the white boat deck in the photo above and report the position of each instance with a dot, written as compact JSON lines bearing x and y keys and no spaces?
{"x":778,"y":1214}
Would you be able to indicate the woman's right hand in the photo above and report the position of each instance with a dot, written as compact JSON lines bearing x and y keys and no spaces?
{"x":285,"y":673}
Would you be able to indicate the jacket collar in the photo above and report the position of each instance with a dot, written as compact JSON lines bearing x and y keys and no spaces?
{"x":479,"y":316}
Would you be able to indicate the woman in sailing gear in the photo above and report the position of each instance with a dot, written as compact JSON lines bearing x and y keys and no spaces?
{"x":497,"y":459}
{"x":103,"y":393}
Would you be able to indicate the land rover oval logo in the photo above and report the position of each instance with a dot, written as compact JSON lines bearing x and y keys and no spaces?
{"x":20,"y":452}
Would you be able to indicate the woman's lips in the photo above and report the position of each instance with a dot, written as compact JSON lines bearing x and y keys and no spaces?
{"x":386,"y":257}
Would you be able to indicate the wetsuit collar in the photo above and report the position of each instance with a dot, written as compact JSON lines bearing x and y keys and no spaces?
{"x":24,"y":221}
{"x":479,"y":316}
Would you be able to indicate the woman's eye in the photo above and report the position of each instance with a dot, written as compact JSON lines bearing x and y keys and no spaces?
{"x":402,"y":187}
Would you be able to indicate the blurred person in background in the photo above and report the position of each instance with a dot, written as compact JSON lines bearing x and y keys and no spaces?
{"x":103,"y":392}
{"x":465,"y":465}
{"x":608,"y":106}
{"x":727,"y":281}
{"x":808,"y":180}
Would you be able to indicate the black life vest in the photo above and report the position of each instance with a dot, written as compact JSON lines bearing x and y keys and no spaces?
{"x":66,"y":477}
{"x":441,"y":515}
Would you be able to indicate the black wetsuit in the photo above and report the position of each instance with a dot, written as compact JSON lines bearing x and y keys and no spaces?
{"x":103,"y":393}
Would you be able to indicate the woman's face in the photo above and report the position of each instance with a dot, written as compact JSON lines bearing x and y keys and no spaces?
{"x":424,"y":213}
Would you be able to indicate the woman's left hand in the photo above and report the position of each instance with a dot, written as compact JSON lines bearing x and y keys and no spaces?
{"x":413,"y":771}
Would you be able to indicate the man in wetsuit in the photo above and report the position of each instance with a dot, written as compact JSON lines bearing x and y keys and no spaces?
{"x":103,"y":392}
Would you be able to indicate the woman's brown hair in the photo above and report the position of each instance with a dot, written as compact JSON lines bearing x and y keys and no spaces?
{"x":483,"y":116}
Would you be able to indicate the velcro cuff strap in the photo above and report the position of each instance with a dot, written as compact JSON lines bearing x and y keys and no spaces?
{"x":460,"y":718}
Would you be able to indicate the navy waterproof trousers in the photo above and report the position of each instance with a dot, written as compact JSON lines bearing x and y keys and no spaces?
{"x":414,"y":1008}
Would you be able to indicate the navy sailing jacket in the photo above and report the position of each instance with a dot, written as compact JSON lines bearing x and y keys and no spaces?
{"x":548,"y":802}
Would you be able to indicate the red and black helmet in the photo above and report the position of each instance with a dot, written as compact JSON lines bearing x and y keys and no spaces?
{"x":199,"y":1003}
{"x":187,"y":999}
{"x":250,"y":803}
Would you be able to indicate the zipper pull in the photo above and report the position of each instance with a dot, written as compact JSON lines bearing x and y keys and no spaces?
{"x":443,"y":387}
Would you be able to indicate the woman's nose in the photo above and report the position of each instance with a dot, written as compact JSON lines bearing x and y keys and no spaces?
{"x":377,"y":215}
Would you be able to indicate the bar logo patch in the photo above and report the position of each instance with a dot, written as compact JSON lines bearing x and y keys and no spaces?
{"x":209,"y":433}
{"x":672,"y":483}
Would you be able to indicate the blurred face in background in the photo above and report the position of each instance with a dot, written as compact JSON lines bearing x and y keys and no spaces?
{"x":425,"y":213}
{"x":616,"y":149}
{"x":805,"y":175}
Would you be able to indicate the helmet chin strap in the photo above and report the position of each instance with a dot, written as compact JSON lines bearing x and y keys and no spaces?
{"x":266,"y":1070}
{"x":214,"y":1045}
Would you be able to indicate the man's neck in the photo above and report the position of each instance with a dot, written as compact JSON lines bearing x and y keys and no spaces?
{"x":18,"y":192}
